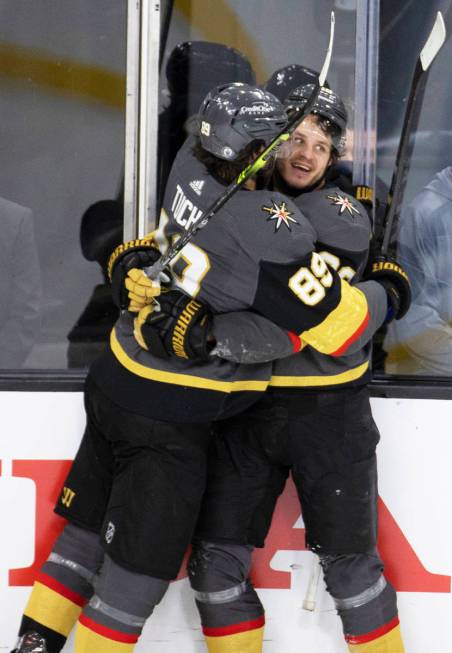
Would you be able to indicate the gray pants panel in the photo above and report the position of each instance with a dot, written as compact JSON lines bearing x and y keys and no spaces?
{"x":123,"y":599}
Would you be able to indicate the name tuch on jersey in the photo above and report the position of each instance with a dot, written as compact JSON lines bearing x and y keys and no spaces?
{"x":185,"y":212}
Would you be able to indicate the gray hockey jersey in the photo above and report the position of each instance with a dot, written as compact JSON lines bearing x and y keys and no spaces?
{"x":257,"y":253}
{"x":343,"y":235}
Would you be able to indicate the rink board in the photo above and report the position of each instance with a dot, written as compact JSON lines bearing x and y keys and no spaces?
{"x":40,"y":437}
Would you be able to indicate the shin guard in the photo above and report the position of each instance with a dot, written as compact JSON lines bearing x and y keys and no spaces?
{"x":365,"y":601}
{"x":62,"y":587}
{"x":114,"y":618}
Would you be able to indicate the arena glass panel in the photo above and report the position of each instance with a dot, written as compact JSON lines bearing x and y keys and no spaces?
{"x":418,"y":348}
{"x":207,"y":44}
{"x":61,"y":168}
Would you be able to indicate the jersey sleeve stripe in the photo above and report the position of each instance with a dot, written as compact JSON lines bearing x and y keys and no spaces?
{"x":297,"y":343}
{"x":348,"y":376}
{"x":342,"y":325}
{"x":343,"y":350}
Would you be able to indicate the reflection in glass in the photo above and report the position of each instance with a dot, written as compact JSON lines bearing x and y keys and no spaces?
{"x":62,"y":97}
{"x":20,"y":285}
{"x":421,"y":343}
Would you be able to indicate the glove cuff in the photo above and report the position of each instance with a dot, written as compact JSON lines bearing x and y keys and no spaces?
{"x":125,"y":248}
{"x":194,"y":312}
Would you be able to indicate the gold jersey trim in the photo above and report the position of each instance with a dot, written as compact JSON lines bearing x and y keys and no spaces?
{"x":311,"y":381}
{"x":176,"y":378}
{"x":342,"y":325}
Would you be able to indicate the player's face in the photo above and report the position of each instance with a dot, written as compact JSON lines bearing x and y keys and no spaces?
{"x":303,"y":161}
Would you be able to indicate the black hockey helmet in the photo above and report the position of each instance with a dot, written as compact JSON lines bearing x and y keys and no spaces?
{"x":194,"y":67}
{"x":234,"y":115}
{"x":284,"y":80}
{"x":328,"y":106}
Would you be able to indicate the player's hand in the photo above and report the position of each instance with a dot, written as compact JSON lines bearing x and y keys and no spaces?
{"x":136,"y":254}
{"x":395,"y":281}
{"x":177,"y":326}
{"x":142,"y":290}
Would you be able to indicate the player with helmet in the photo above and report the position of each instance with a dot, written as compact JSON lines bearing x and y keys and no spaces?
{"x":134,"y":491}
{"x":192,"y":69}
{"x":314,"y":422}
{"x":285,"y":79}
{"x":316,"y":144}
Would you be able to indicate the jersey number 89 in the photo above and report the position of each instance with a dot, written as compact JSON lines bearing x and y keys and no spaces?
{"x":309,"y":283}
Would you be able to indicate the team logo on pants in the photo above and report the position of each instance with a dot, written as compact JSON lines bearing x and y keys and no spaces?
{"x":67,"y":497}
{"x":110,"y":532}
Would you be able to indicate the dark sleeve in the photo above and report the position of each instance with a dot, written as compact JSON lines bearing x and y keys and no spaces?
{"x":246,"y":337}
{"x":314,"y":302}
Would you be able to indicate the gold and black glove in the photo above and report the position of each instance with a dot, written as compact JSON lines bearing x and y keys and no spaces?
{"x":125,"y":270}
{"x":390,"y":274}
{"x":179,"y":326}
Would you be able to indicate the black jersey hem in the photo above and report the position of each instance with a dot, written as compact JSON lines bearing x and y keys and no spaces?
{"x":164,"y":401}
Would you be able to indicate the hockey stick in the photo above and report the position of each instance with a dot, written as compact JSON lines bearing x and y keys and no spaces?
{"x":298,"y":116}
{"x":428,"y":53}
{"x":310,"y":600}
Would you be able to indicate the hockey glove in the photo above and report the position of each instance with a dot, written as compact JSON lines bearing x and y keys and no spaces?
{"x":390,"y":274}
{"x":179,"y":326}
{"x":143,"y":290}
{"x":135,"y":254}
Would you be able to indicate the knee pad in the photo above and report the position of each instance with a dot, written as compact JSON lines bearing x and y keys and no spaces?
{"x":224,"y":596}
{"x":123,"y":599}
{"x":76,"y":557}
{"x":363,"y":597}
{"x":215,"y":567}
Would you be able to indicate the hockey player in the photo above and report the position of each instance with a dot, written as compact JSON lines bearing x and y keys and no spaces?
{"x":134,"y":491}
{"x":285,"y":79}
{"x":314,"y":422}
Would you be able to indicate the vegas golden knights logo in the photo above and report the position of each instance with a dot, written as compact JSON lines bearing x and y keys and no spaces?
{"x":67,"y":497}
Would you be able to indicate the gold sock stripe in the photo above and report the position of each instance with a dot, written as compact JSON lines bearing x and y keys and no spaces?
{"x":52,"y":610}
{"x":88,"y":641}
{"x":247,"y":642}
{"x":390,"y":642}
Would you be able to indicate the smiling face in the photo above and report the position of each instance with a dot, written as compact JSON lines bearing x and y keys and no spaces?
{"x":304,"y":160}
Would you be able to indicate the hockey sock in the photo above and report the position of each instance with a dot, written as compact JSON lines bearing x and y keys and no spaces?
{"x":387,"y":639}
{"x":231,"y":613}
{"x":366,"y":602}
{"x":245,"y":637}
{"x":62,"y":587}
{"x":113,"y":619}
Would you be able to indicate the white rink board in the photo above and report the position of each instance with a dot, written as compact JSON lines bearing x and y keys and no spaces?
{"x":415,"y":455}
